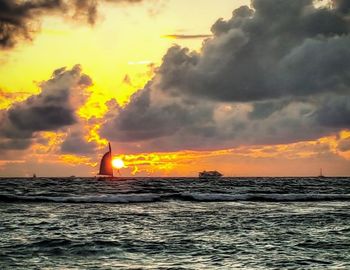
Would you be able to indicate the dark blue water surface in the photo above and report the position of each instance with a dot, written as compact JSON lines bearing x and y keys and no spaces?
{"x":168,"y":223}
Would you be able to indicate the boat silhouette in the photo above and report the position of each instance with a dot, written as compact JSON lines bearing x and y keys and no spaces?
{"x":209,"y":175}
{"x":106,"y":168}
{"x":321,"y":174}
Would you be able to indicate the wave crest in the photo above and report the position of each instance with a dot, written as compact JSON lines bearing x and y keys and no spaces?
{"x":195,"y":197}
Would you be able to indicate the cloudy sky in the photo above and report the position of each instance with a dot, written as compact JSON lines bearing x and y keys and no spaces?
{"x":249,"y":88}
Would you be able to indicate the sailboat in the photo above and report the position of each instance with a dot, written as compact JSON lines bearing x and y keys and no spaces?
{"x":106,"y":168}
{"x":321,"y":174}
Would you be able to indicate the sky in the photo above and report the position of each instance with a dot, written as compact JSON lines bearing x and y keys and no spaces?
{"x":248,"y":88}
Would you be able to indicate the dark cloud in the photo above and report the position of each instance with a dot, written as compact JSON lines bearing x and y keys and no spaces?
{"x":14,"y":144}
{"x":183,"y":36}
{"x":282,"y":48}
{"x":146,"y":118}
{"x":277,"y":73}
{"x":52,"y":109}
{"x":342,"y":6}
{"x":75,"y":143}
{"x":344,"y":145}
{"x":15,"y":17}
{"x":18,"y":17}
{"x":264,"y":109}
{"x":334,"y":111}
{"x":154,"y":121}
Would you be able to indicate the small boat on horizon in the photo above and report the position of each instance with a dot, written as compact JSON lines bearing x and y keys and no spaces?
{"x":210,"y":175}
{"x":321,"y":174}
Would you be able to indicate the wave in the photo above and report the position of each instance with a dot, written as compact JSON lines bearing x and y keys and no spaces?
{"x":194,"y":197}
{"x":120,"y":198}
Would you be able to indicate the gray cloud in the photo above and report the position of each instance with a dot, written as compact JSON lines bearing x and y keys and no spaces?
{"x":271,"y":52}
{"x":334,"y":111}
{"x":264,"y":109}
{"x":52,"y":109}
{"x":275,"y":74}
{"x":344,"y":145}
{"x":13,"y":144}
{"x":170,"y":124}
{"x":76,"y":144}
{"x":183,"y":36}
{"x":17,"y":17}
{"x":148,"y":117}
{"x":342,"y":6}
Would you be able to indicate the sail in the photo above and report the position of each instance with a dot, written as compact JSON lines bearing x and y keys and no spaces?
{"x":106,"y":163}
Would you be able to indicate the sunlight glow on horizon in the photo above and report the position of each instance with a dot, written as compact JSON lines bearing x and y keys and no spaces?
{"x":120,"y":54}
{"x":118,"y":163}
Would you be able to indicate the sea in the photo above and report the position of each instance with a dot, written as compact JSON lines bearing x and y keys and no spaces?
{"x":175,"y":223}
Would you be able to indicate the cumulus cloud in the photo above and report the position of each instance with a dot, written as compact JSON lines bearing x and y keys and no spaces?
{"x":170,"y":124}
{"x":281,"y":48}
{"x":344,"y":145}
{"x":276,"y":73}
{"x":53,"y":108}
{"x":143,"y":119}
{"x":75,"y":143}
{"x":18,"y":17}
{"x":334,"y":111}
{"x":342,"y":6}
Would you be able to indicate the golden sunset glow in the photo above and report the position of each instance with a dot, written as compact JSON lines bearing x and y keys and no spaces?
{"x":118,"y":163}
{"x":243,"y":161}
{"x":122,"y":79}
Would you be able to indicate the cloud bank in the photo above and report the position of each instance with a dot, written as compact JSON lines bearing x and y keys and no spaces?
{"x":274,"y":73}
{"x":52,"y":109}
{"x":17,"y":18}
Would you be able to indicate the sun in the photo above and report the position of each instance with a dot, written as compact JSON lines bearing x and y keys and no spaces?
{"x":118,"y":163}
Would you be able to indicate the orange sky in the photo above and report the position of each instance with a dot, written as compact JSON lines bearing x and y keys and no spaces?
{"x":121,"y":52}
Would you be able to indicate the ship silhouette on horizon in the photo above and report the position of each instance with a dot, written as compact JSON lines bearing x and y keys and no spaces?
{"x":210,"y":175}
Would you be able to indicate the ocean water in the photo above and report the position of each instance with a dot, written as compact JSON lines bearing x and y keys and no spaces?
{"x":168,"y":223}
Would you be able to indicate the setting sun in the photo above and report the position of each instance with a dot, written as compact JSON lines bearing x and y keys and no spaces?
{"x":118,"y":163}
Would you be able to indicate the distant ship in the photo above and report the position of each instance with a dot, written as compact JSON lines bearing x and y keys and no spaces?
{"x":321,"y":174}
{"x":209,"y":175}
{"x":106,"y":169}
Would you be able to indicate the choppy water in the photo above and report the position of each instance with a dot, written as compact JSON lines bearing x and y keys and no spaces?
{"x":250,"y":223}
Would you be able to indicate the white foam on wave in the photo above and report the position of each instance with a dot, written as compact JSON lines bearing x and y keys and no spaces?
{"x":218,"y":197}
{"x":107,"y":198}
{"x":121,"y":198}
{"x":199,"y":197}
{"x":268,"y":197}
